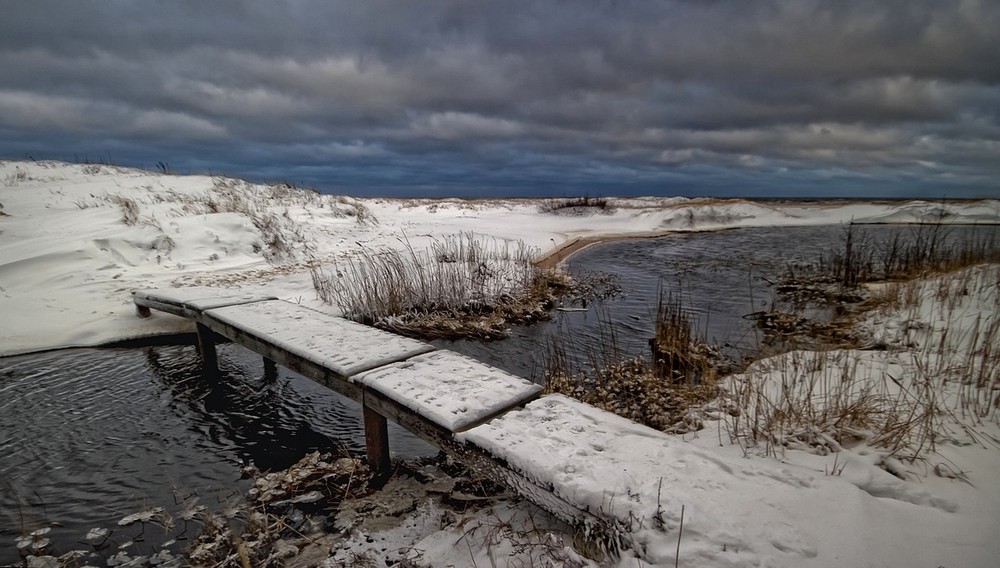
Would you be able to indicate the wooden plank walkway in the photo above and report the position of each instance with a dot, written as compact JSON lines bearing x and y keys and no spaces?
{"x":447,"y":399}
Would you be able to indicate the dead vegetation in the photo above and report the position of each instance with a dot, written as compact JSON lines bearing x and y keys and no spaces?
{"x":283,"y":516}
{"x":824,"y":401}
{"x":929,"y":382}
{"x":838,"y":286}
{"x":269,"y":208}
{"x":913,"y":388}
{"x":665,"y":389}
{"x":130,"y":209}
{"x":16,"y":177}
{"x":321,"y":509}
{"x":462,"y":286}
{"x":915,"y":252}
{"x":577,"y":206}
{"x":783,"y":328}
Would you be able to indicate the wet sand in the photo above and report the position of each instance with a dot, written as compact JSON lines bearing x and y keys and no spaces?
{"x":558,"y":255}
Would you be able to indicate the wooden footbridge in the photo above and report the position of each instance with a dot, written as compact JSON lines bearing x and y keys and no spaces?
{"x":479,"y":414}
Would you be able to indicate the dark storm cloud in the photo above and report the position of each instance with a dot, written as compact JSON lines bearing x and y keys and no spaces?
{"x":637,"y":97}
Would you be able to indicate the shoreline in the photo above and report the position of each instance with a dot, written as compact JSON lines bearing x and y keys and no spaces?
{"x":561,"y":253}
{"x":556,"y":256}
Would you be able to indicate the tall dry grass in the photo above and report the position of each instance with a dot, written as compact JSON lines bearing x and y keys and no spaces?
{"x":461,"y":286}
{"x":577,"y":205}
{"x":823,"y":401}
{"x":665,"y":389}
{"x":919,"y":251}
{"x":937,"y":378}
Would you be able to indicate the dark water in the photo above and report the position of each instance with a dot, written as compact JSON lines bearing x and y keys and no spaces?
{"x":88,"y":436}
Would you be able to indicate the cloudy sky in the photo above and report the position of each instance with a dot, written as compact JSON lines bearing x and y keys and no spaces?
{"x":696,"y":97}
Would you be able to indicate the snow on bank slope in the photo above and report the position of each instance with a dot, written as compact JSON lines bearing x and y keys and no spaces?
{"x":75,"y":239}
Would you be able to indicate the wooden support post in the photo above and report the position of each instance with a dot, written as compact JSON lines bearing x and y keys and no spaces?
{"x":270,"y":369}
{"x":206,"y":349}
{"x":142,"y":311}
{"x":377,"y":443}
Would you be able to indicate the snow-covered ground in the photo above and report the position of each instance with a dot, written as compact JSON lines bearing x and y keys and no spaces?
{"x":755,"y":490}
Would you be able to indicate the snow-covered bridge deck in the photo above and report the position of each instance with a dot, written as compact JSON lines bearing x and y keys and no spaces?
{"x":483,"y":416}
{"x":387,"y":373}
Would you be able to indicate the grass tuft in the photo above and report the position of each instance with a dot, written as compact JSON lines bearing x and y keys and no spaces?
{"x":665,"y":389}
{"x":462,"y":286}
{"x":130,"y":209}
{"x":576,"y":205}
{"x":922,"y":250}
{"x":931,"y":380}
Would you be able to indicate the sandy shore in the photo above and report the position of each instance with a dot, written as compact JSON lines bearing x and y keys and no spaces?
{"x":562,"y":253}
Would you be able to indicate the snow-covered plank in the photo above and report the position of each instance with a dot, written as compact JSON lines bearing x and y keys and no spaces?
{"x":598,"y":461}
{"x":449,"y":389}
{"x":345,"y":347}
{"x":195,"y":299}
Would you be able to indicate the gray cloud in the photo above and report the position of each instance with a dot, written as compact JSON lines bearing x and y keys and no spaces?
{"x":707,"y":96}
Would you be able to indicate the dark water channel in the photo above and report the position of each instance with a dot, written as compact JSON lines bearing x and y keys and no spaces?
{"x":88,"y":436}
{"x":719,"y":277}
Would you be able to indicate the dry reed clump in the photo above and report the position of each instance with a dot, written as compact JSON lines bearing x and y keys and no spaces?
{"x":951,"y":325}
{"x":462,"y":286}
{"x":576,"y":206}
{"x":677,"y":354}
{"x":665,"y":390}
{"x":632,"y":389}
{"x":923,"y":250}
{"x":939,"y":377}
{"x":948,"y":373}
{"x":16,"y":177}
{"x":824,"y":401}
{"x":281,"y":237}
{"x":130,"y":209}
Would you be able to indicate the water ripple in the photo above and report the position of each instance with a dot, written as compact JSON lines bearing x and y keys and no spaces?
{"x":89,"y":435}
